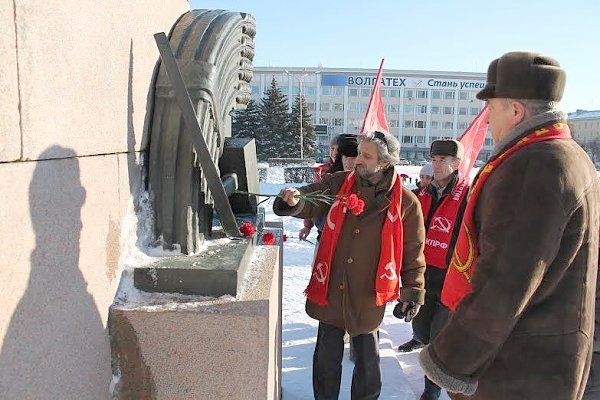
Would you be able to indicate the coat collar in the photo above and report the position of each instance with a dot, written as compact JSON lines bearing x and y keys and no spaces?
{"x":526,"y":127}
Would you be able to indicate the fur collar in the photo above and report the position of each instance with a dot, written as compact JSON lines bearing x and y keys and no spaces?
{"x":526,"y":126}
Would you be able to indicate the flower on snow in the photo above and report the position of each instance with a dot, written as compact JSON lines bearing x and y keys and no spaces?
{"x":247,"y":229}
{"x":268,"y":238}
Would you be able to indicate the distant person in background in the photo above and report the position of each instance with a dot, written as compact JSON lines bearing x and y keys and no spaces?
{"x":425,"y":178}
{"x":346,"y":150}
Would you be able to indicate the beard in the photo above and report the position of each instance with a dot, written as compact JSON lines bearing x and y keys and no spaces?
{"x":367,"y":173}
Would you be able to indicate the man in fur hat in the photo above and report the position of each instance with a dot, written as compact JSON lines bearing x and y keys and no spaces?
{"x":442,"y":202}
{"x":522,"y":278}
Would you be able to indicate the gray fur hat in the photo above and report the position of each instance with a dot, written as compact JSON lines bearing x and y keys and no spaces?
{"x":524,"y":75}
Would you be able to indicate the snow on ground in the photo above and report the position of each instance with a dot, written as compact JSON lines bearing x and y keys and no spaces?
{"x":401,"y":374}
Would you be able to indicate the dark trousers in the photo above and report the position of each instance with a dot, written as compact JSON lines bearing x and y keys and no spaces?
{"x":327,"y":364}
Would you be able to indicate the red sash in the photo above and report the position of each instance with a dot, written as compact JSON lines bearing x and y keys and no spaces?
{"x":464,"y":259}
{"x":390,"y":258}
{"x":439,"y":233}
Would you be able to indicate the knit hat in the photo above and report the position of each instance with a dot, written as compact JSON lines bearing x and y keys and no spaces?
{"x":427,"y":170}
{"x":447,"y":147}
{"x":348,"y":145}
{"x":524,"y":75}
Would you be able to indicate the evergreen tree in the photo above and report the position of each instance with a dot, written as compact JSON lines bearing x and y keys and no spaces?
{"x":273,"y":137}
{"x":246,"y":123}
{"x":309,"y":138}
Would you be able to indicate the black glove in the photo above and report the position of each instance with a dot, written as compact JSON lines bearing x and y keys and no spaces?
{"x":409,"y":313}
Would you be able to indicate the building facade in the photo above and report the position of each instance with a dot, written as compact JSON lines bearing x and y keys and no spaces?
{"x":421,"y":106}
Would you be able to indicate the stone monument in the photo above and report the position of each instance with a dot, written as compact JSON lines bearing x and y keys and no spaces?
{"x":200,"y":327}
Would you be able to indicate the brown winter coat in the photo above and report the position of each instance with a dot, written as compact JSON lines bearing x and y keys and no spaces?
{"x":351,"y":295}
{"x":525,"y":333}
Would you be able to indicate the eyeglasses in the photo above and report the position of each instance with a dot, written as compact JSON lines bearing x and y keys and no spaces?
{"x":381,"y":136}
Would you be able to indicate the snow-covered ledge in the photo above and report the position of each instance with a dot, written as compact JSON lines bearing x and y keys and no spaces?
{"x":172,"y":346}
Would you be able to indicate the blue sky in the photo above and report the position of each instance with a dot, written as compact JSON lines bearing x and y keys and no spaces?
{"x":442,"y":35}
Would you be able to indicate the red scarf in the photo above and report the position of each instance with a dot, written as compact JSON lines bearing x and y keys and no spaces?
{"x":439,"y":232}
{"x":390,"y":258}
{"x":464,"y":259}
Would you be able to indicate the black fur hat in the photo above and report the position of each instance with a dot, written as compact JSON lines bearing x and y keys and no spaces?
{"x":448,"y":147}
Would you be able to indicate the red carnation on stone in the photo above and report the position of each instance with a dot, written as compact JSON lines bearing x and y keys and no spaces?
{"x":247,"y":229}
{"x":355,"y":204}
{"x":268,"y":238}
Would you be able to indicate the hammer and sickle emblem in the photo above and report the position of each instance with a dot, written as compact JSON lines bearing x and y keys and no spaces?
{"x":457,"y":263}
{"x":319,"y":274}
{"x":330,"y":223}
{"x":390,"y":272}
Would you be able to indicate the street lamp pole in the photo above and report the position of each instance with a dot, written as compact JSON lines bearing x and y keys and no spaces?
{"x":301,"y":106}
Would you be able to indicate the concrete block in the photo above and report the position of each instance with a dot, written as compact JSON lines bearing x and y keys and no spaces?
{"x":189,"y":347}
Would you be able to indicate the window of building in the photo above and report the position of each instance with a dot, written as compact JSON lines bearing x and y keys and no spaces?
{"x":421,"y":109}
{"x":332,"y":91}
{"x":353,"y":92}
{"x":435,"y":109}
{"x":354,"y":107}
{"x":255,"y":90}
{"x":309,"y":90}
{"x":391,"y":108}
{"x":449,"y":95}
{"x":324,"y":121}
{"x":394,"y":92}
{"x":408,"y":93}
{"x":448,"y":124}
{"x":338,"y":122}
{"x":407,"y":139}
{"x":463,"y":95}
{"x":489,"y":141}
{"x":355,"y":123}
{"x":394,"y":123}
{"x":408,"y":123}
{"x":338,"y":107}
{"x":420,"y":124}
{"x":365,"y":92}
{"x":436,"y":94}
{"x":463,"y":125}
{"x":475,"y":111}
{"x":421,"y":94}
{"x":434,"y":124}
{"x":448,"y":110}
{"x":434,"y":138}
{"x":420,"y":139}
{"x":325,"y":107}
{"x":462,"y":110}
{"x":310,"y":106}
{"x":408,"y":108}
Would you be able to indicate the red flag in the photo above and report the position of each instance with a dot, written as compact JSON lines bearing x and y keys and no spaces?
{"x":472,"y":139}
{"x":375,"y":119}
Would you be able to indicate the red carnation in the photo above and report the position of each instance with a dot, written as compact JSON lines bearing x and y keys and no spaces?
{"x":355,"y":204}
{"x":247,"y":229}
{"x":284,"y":237}
{"x":268,"y":238}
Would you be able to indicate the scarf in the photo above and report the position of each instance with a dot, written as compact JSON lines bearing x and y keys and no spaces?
{"x":441,"y":226}
{"x":390,"y":257}
{"x":464,"y":259}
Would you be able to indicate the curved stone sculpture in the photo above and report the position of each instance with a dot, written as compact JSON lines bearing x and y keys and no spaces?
{"x":214,"y":50}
